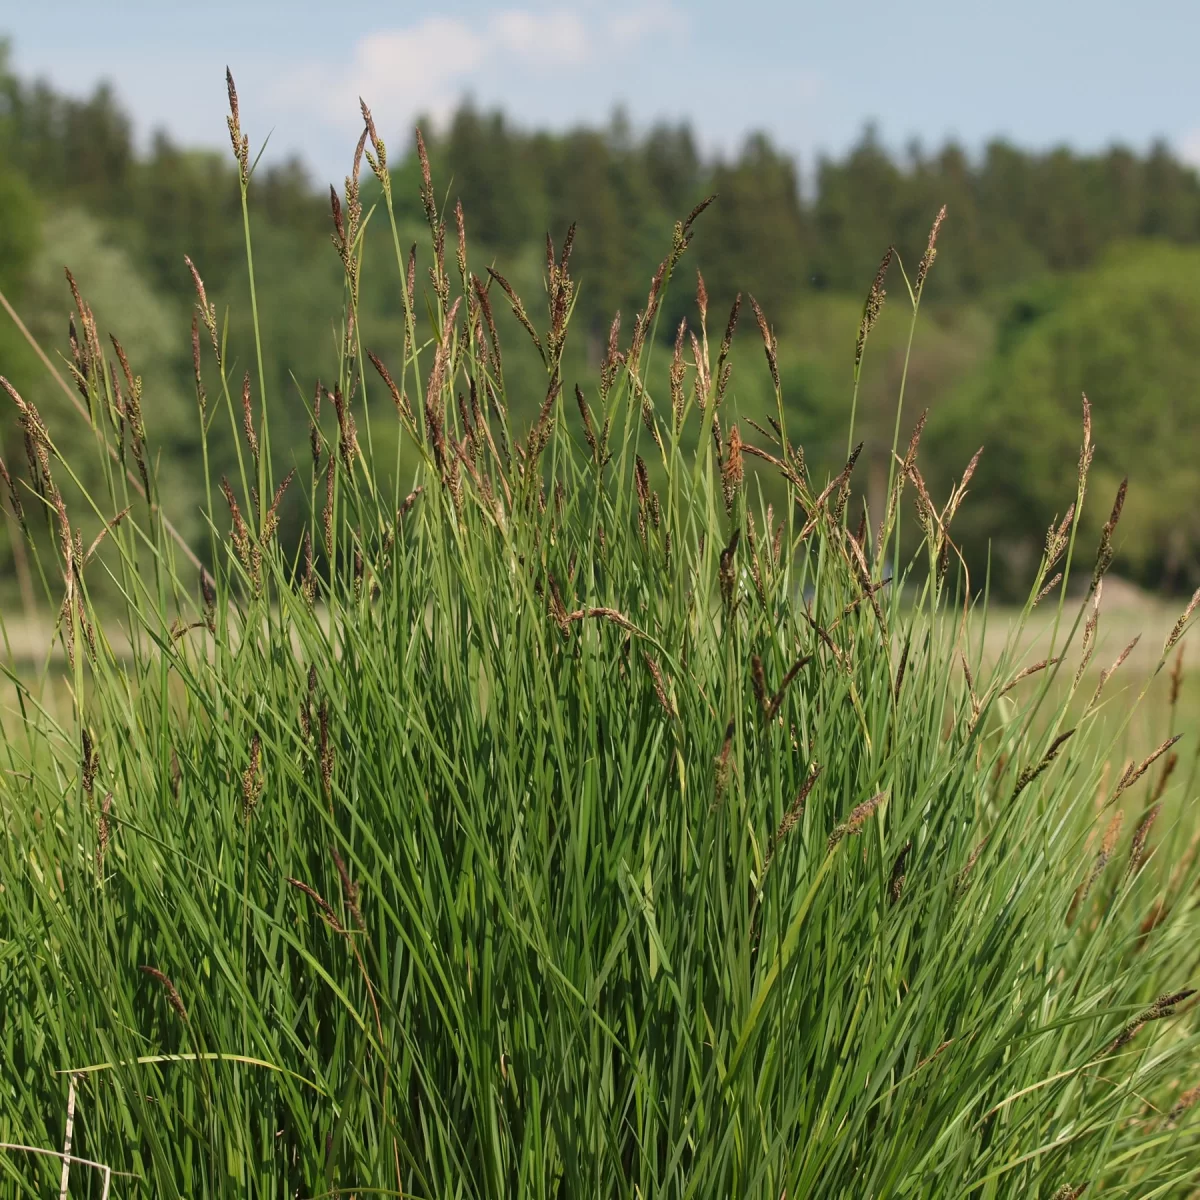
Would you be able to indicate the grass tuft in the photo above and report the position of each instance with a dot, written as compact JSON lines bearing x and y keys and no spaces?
{"x":482,"y":828}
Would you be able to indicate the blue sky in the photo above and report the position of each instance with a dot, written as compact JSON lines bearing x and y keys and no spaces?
{"x":1039,"y":73}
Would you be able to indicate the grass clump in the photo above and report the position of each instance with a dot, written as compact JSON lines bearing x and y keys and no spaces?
{"x":558,"y":818}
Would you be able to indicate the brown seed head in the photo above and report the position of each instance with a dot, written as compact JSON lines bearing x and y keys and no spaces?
{"x":339,"y":226}
{"x":732,"y":471}
{"x":252,"y":780}
{"x":792,"y":816}
{"x":1176,"y":679}
{"x":378,"y":161}
{"x":207,"y":311}
{"x":240,"y":534}
{"x":347,"y":430}
{"x":201,"y":398}
{"x":770,"y":345}
{"x":14,"y":497}
{"x":485,"y":307}
{"x":1180,"y":625}
{"x":648,"y":416}
{"x":352,"y":183}
{"x":930,"y":251}
{"x":1089,"y":633}
{"x":612,"y":358}
{"x":271,"y":520}
{"x":730,"y":328}
{"x":1137,"y":851}
{"x":314,"y":428}
{"x":1031,"y":772}
{"x":103,"y":832}
{"x":702,"y":383}
{"x":1026,"y":672}
{"x":901,"y":668}
{"x":682,"y":235}
{"x":726,"y":572}
{"x":896,"y":884}
{"x":1108,"y":672}
{"x":641,"y":481}
{"x":872,"y":306}
{"x":1168,"y":769}
{"x":722,"y":761}
{"x":676,"y":378}
{"x":910,"y":455}
{"x":856,"y":820}
{"x":759,"y":680}
{"x":1086,"y":450}
{"x":1047,"y":589}
{"x":90,"y":762}
{"x":359,"y":571}
{"x":777,"y":700}
{"x":1164,"y":1006}
{"x":589,"y":431}
{"x":350,"y":890}
{"x":1057,"y":537}
{"x":1104,"y":555}
{"x":326,"y":748}
{"x":461,"y":250}
{"x":1185,"y":1101}
{"x":427,"y":201}
{"x":241,"y":143}
{"x":1132,"y":774}
{"x":308,"y":582}
{"x":660,"y":686}
{"x":518,"y":309}
{"x":327,"y":912}
{"x":327,"y":512}
{"x":248,"y":419}
{"x":171,"y":990}
{"x":403,"y":408}
{"x":208,"y":595}
{"x":233,"y":99}
{"x":410,"y":284}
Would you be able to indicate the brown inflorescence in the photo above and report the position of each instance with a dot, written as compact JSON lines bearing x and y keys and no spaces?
{"x":856,"y":820}
{"x":872,"y":306}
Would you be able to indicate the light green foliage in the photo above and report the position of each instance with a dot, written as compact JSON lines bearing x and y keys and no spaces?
{"x":149,"y":327}
{"x":572,"y":828}
{"x":1124,"y":333}
{"x":20,"y":236}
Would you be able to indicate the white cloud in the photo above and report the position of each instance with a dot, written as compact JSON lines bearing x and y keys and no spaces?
{"x":427,"y":67}
{"x":646,"y":21}
{"x":555,"y":35}
{"x":404,"y":70}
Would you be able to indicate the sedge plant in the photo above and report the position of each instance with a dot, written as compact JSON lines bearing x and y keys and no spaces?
{"x":557,"y":817}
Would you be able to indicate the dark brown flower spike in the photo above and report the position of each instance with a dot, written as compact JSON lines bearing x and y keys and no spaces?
{"x":930,"y":251}
{"x":856,"y":820}
{"x":793,"y":814}
{"x":1031,"y":772}
{"x":1104,"y":555}
{"x":872,"y":307}
{"x":240,"y":142}
{"x":171,"y":990}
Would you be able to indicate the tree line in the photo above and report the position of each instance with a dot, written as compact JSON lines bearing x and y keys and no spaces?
{"x":1041,"y":253}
